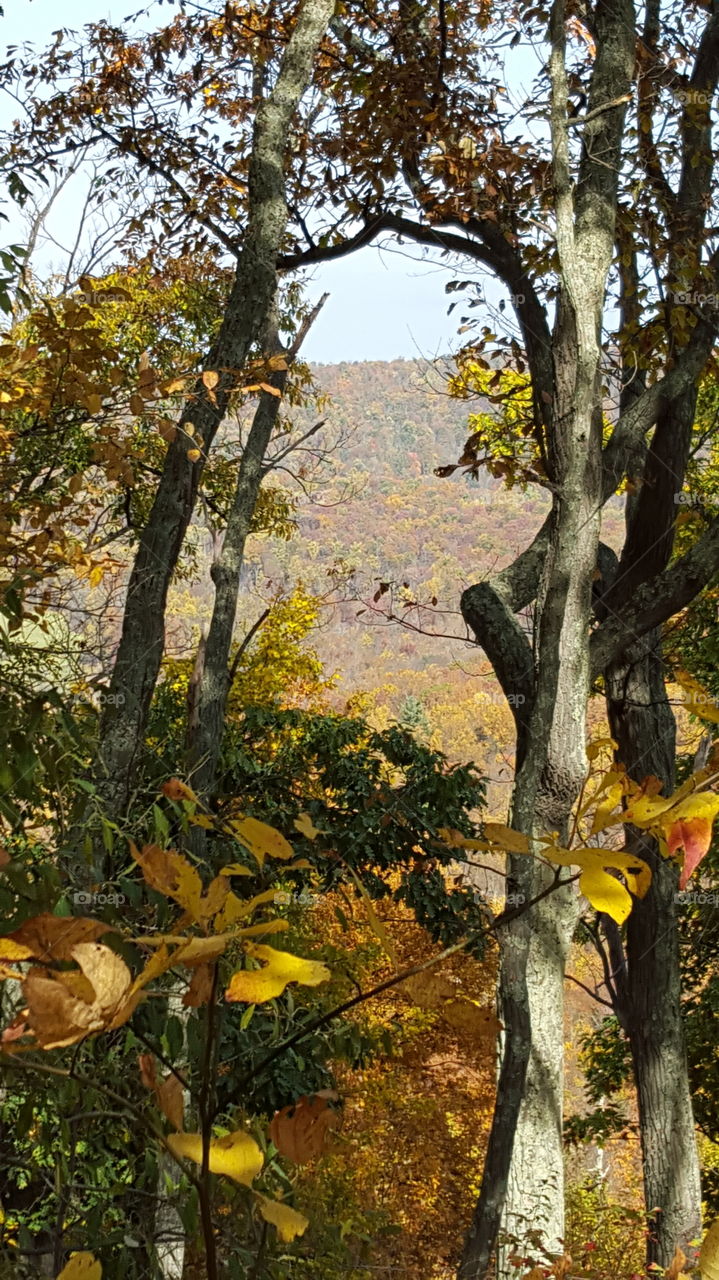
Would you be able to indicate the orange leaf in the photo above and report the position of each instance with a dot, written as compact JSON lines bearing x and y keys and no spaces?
{"x":174,"y":789}
{"x":200,"y":989}
{"x":171,"y":1101}
{"x":148,"y":1072}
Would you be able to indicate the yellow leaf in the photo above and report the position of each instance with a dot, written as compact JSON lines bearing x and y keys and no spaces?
{"x":261,"y":840}
{"x":700,"y":703}
{"x":280,"y":968}
{"x":210,"y":379}
{"x":289,"y":1222}
{"x":709,"y":1253}
{"x":377,"y":925}
{"x":13,"y":951}
{"x":267,"y":926}
{"x":506,"y":838}
{"x":237,"y":1156}
{"x":456,"y":840}
{"x":82,"y":1266}
{"x":194,"y":455}
{"x":604,"y":814}
{"x":200,"y":951}
{"x":172,"y":876}
{"x":606,"y":893}
{"x":236,"y":869}
{"x":306,"y":827}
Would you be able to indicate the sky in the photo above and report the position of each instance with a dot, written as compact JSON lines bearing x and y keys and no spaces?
{"x":383,"y":304}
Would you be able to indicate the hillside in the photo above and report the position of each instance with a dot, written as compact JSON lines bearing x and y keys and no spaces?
{"x":380,"y":515}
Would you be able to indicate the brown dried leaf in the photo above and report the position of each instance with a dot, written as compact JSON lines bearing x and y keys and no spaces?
{"x":300,"y":1131}
{"x":50,"y":938}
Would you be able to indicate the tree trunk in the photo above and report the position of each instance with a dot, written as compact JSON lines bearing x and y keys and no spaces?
{"x":643,"y":726}
{"x":246,"y":318}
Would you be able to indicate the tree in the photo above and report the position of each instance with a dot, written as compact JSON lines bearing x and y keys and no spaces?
{"x":552,"y":224}
{"x":249,"y":321}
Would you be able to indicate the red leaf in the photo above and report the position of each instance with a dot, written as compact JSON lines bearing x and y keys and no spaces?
{"x":693,"y":835}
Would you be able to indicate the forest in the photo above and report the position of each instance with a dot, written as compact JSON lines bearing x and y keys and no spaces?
{"x":359,"y":720}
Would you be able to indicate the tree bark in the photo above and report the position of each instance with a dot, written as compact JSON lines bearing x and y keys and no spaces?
{"x":248,"y":311}
{"x":643,"y":726}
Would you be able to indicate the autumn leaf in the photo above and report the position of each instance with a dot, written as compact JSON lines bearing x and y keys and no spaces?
{"x":280,"y":968}
{"x":171,"y":1101}
{"x":67,"y":1007}
{"x":300,"y":1131}
{"x":200,"y":988}
{"x":82,"y":1266}
{"x":210,"y":379}
{"x":198,"y":951}
{"x":237,"y":1155}
{"x":174,"y":789}
{"x":683,"y":820}
{"x":306,"y":827}
{"x":148,"y":1070}
{"x":50,"y":938}
{"x":289,"y":1222}
{"x":709,"y":1253}
{"x":697,"y":701}
{"x":261,"y":840}
{"x":171,"y":875}
{"x":505,"y":837}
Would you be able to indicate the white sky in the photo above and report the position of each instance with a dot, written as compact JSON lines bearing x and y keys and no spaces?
{"x":381,"y":305}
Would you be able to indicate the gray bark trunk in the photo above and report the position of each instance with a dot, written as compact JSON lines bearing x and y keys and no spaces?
{"x":214,"y":679}
{"x":246,"y":318}
{"x":643,"y":726}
